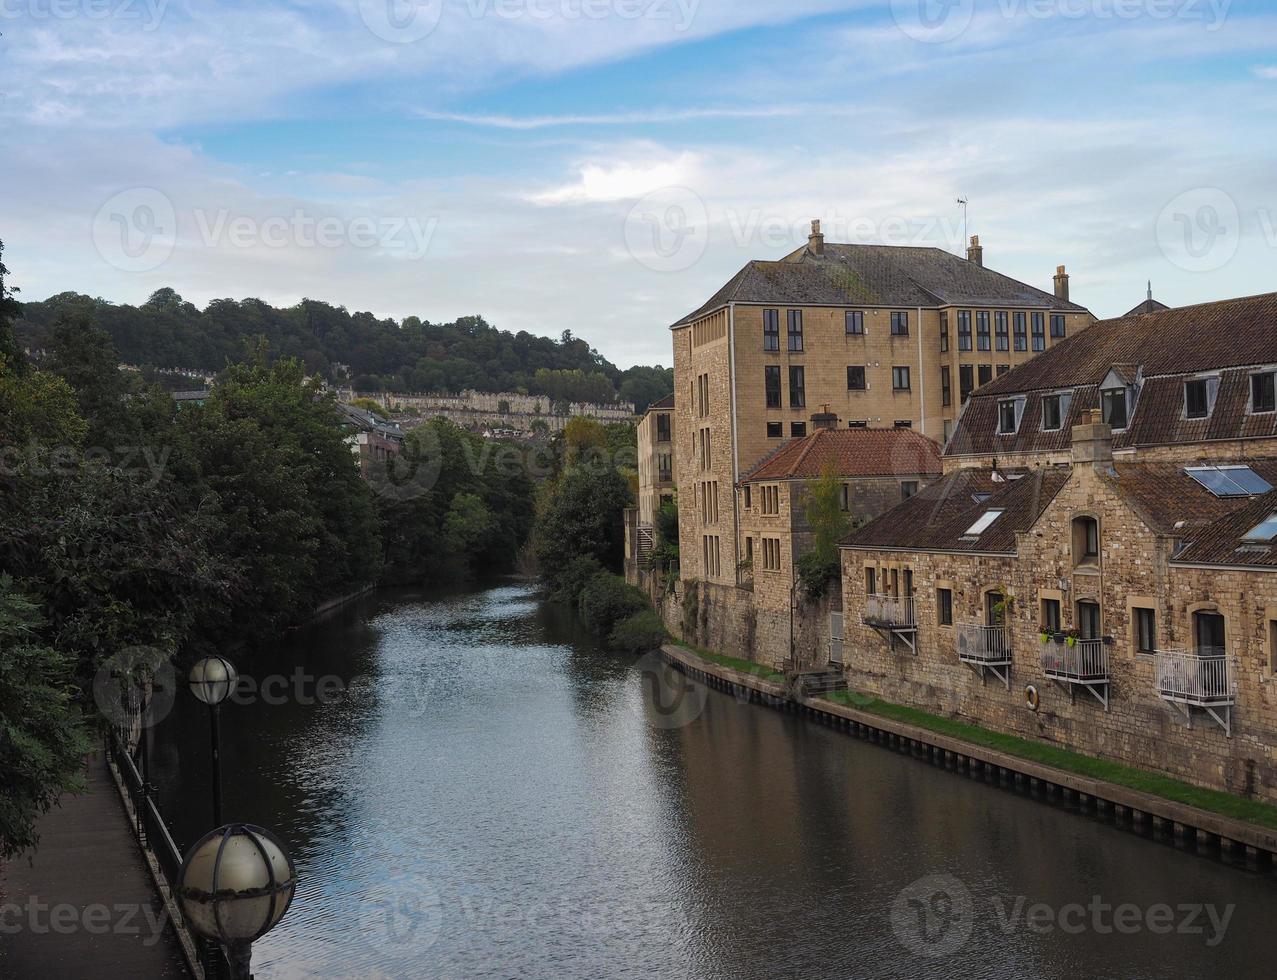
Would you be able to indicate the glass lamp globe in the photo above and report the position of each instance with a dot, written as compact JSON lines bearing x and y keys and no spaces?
{"x":236,"y":884}
{"x":212,"y":679}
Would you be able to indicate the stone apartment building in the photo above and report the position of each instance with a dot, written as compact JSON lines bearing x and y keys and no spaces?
{"x":1098,"y":566}
{"x":655,"y":433}
{"x":881,"y":336}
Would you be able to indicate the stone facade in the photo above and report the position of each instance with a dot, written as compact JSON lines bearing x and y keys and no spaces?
{"x":655,"y":461}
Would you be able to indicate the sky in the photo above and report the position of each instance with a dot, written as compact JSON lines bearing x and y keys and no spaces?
{"x":603,"y":166}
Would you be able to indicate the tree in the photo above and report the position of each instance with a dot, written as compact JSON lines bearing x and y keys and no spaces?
{"x":829,"y":525}
{"x":582,"y":517}
{"x":42,"y":733}
{"x":11,"y":359}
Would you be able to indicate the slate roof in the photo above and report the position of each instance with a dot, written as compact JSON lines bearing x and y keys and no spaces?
{"x":853,"y":452}
{"x":1172,"y":502}
{"x":877,"y":275}
{"x":937,"y":517}
{"x":1223,"y":541}
{"x":1149,"y":305}
{"x":667,"y":402}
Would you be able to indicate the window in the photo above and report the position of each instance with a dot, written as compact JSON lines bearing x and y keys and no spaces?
{"x":775,"y":430}
{"x":908,"y":488}
{"x":1113,"y":407}
{"x":1000,"y":329}
{"x":1208,"y":631}
{"x":944,"y":607}
{"x":855,"y":323}
{"x":706,"y":449}
{"x":946,"y":386}
{"x":964,"y":329}
{"x":1057,"y":326}
{"x":795,"y":322}
{"x":1272,"y":646}
{"x":1229,"y":481}
{"x":982,"y":330}
{"x":1264,"y":531}
{"x":871,"y":581}
{"x":771,"y":330}
{"x":845,"y":503}
{"x":748,"y":498}
{"x":1088,"y":620}
{"x":944,"y":332}
{"x":1006,"y":417}
{"x":1021,"y":334}
{"x":771,"y":384}
{"x":702,"y":395}
{"x":903,"y":423}
{"x":900,"y":378}
{"x":663,"y":427}
{"x":1050,"y":413}
{"x":1003,"y":369}
{"x":900,"y":324}
{"x":856,"y":378}
{"x":857,"y":423}
{"x":966,"y":382}
{"x":1145,"y":630}
{"x":710,"y":552}
{"x":983,"y":523}
{"x":664,"y":467}
{"x":749,"y":551}
{"x":797,"y":429}
{"x":771,"y":554}
{"x":986,"y":374}
{"x":1263,"y":392}
{"x":1086,"y":541}
{"x":1051,"y":615}
{"x":770,"y":503}
{"x":1196,"y":399}
{"x":797,"y":391}
{"x":1039,"y":332}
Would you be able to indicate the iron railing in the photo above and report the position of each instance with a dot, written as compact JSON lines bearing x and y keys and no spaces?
{"x":890,"y":609}
{"x":1085,"y":660}
{"x":1196,"y":677}
{"x":983,"y":644}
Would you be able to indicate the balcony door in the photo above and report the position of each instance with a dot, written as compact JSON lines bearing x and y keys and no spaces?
{"x":1088,"y":620}
{"x":994,"y":609}
{"x":1208,"y":631}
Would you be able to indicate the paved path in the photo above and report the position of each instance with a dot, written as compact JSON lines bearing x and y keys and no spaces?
{"x":83,"y":904}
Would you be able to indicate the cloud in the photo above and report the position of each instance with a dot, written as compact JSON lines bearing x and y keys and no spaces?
{"x":616,"y":118}
{"x":1265,"y":71}
{"x":622,"y":179}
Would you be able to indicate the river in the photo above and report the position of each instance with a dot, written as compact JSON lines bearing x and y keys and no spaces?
{"x":471,"y":788}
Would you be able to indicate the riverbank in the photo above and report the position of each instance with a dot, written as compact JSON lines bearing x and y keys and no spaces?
{"x":988,"y":755}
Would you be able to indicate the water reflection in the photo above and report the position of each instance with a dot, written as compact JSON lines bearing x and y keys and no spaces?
{"x":496,"y":797}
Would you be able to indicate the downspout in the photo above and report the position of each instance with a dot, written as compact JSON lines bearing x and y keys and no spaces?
{"x":731,"y":384}
{"x":922,"y":380}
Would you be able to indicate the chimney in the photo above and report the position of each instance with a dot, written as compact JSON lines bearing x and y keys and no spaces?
{"x":816,"y":241}
{"x":1093,"y":442}
{"x":1061,"y":283}
{"x":824,"y":419}
{"x":975,"y":251}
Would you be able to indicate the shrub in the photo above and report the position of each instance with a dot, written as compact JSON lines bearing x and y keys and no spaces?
{"x":640,"y":633}
{"x":569,"y":580}
{"x":607,"y":599}
{"x":816,"y":572}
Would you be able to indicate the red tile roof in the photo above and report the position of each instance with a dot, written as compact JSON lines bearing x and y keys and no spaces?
{"x":852,"y":452}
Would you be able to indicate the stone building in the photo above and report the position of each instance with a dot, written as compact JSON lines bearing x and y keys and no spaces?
{"x":884,"y":336}
{"x":655,"y":434}
{"x":876,"y":467}
{"x":1099,"y":571}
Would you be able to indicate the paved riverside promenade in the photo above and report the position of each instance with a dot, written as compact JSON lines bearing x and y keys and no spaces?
{"x":83,"y":904}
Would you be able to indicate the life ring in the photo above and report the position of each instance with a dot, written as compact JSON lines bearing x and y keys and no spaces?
{"x":1031,"y":697}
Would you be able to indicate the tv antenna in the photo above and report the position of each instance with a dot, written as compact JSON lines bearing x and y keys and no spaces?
{"x":962,"y":203}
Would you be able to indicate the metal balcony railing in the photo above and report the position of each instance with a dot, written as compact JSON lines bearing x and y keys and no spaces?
{"x":990,"y":645}
{"x":1202,"y":677}
{"x":890,"y":610}
{"x":1085,"y":661}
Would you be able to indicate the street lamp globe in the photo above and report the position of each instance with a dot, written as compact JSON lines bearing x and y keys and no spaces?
{"x":235,"y":885}
{"x":212,"y":679}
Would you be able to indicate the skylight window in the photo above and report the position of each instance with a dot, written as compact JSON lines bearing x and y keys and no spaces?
{"x":980,"y":498}
{"x":984,"y":523}
{"x":1229,"y":481}
{"x":1265,"y":531}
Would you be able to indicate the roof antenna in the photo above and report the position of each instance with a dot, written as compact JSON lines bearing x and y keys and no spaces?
{"x":1150,"y":289}
{"x":962,"y":203}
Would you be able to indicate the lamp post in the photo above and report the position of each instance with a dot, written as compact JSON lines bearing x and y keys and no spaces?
{"x":235,"y":885}
{"x":212,"y":680}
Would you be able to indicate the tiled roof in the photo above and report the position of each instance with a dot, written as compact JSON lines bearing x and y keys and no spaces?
{"x":1223,"y":542}
{"x":852,"y":452}
{"x":1183,"y":340}
{"x":938,"y":516}
{"x":1149,"y":305}
{"x":877,"y":275}
{"x":1172,"y":502}
{"x":666,"y":402}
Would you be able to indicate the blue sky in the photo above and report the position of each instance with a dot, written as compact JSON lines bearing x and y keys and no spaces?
{"x":605,"y":165}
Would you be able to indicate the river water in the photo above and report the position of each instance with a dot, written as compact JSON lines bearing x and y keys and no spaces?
{"x":471,"y":788}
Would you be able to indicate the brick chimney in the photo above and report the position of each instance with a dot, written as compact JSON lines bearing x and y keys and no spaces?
{"x":975,"y":251}
{"x":1061,"y":283}
{"x":1093,"y":442}
{"x":824,"y":419}
{"x":816,"y":241}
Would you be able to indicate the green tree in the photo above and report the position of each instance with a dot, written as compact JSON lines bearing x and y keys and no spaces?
{"x":582,"y":516}
{"x":11,"y":359}
{"x":42,"y":733}
{"x":829,"y":525}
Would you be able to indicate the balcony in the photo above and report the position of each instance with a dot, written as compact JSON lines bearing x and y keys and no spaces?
{"x":986,"y":649}
{"x":894,"y":617}
{"x":1084,"y":664}
{"x":1198,"y":679}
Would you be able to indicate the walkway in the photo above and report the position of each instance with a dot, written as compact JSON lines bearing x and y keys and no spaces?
{"x":83,"y":904}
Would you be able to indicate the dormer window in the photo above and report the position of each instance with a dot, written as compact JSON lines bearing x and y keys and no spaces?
{"x":1265,"y":531}
{"x":1050,"y":413}
{"x":1009,"y":412}
{"x":1196,"y":399}
{"x":1113,"y":407}
{"x":1263,"y":392}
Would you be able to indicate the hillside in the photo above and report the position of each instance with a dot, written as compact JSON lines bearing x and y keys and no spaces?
{"x":358,"y":349}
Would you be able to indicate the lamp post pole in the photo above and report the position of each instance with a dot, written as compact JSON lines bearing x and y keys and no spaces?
{"x":212,"y":680}
{"x":216,"y":735}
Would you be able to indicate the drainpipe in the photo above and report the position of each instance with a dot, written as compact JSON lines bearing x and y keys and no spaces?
{"x":731,"y":384}
{"x":922,"y":380}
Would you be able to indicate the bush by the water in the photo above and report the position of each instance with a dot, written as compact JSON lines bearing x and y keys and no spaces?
{"x":572,"y":576}
{"x":607,"y":599}
{"x":640,"y":633}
